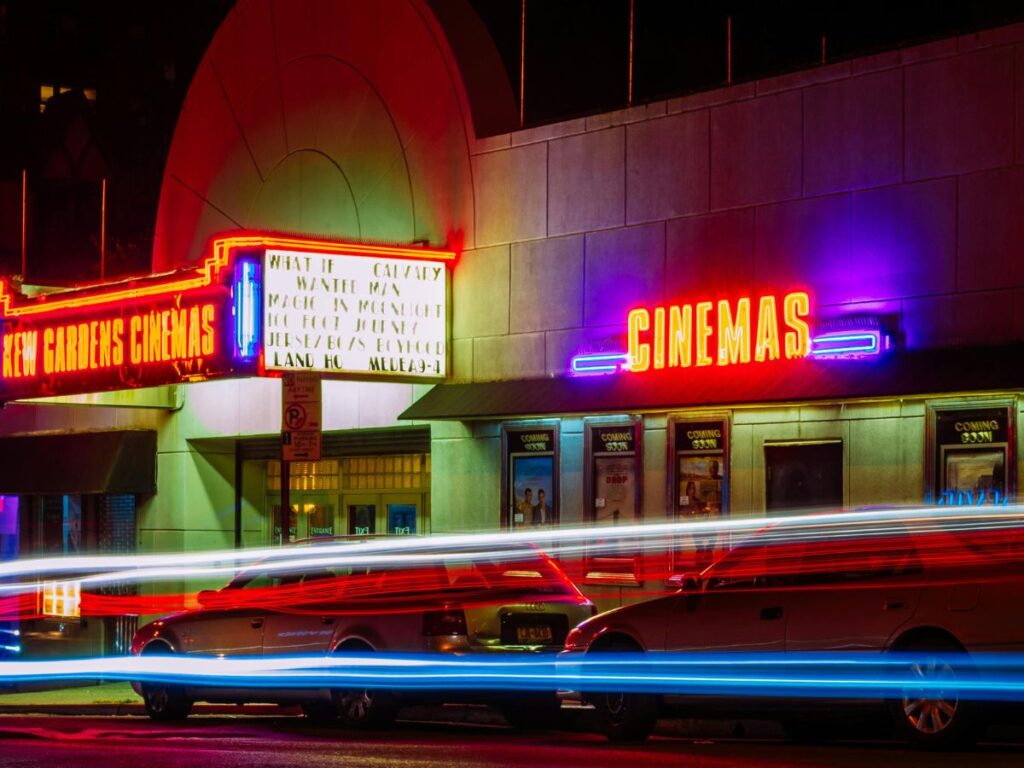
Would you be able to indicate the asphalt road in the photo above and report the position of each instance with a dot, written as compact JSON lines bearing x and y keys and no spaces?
{"x":269,"y":742}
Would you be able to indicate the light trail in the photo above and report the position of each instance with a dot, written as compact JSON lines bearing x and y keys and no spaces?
{"x":400,"y":552}
{"x":846,"y":675}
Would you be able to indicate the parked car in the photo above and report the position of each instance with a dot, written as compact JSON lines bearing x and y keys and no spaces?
{"x":520,"y":601}
{"x":929,"y":591}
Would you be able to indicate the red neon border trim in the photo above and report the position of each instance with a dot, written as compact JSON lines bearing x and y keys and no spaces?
{"x":205,"y":275}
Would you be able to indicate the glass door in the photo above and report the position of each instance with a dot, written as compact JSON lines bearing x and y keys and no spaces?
{"x":312,"y":515}
{"x":361,"y":514}
{"x":367,"y":514}
{"x":402,"y":513}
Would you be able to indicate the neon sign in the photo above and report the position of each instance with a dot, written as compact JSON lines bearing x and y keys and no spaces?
{"x":237,"y":313}
{"x":730,"y":333}
{"x":134,"y":333}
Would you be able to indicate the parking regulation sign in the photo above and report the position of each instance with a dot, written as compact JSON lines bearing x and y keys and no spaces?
{"x":300,"y":416}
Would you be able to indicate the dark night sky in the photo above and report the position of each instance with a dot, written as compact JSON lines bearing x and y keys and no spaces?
{"x":140,"y":56}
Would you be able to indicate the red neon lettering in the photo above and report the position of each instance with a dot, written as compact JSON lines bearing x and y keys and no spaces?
{"x":798,"y":340}
{"x":680,"y":328}
{"x":767,"y":344}
{"x":704,"y":331}
{"x":639,"y":353}
{"x":208,"y":333}
{"x":134,"y":344}
{"x":117,"y":358}
{"x":734,"y":333}
{"x":193,"y":332}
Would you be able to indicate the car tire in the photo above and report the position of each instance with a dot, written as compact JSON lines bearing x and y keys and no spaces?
{"x":935,"y":722}
{"x":362,"y":709}
{"x":624,"y":716}
{"x":535,"y":712}
{"x":164,"y":702}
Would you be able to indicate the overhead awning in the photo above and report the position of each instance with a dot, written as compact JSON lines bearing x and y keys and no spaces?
{"x":122,"y":461}
{"x":921,"y":372}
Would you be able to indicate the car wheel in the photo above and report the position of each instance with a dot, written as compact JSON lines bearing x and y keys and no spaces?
{"x":363,"y":708}
{"x":624,"y":716}
{"x":534,"y":712}
{"x":164,"y":702}
{"x":928,"y":715}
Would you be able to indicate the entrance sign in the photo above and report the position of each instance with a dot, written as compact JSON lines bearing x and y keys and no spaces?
{"x":358,"y":314}
{"x":259,"y":304}
{"x":300,"y":416}
{"x":134,"y":333}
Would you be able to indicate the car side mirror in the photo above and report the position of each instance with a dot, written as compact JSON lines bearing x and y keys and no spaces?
{"x":689,"y":581}
{"x":207,"y":597}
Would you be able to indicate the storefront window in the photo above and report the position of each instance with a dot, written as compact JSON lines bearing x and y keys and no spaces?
{"x":973,"y":457}
{"x":531,"y":478}
{"x":699,"y":492}
{"x":803,"y":477}
{"x":613,"y":498}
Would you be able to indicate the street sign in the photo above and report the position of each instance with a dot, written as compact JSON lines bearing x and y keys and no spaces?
{"x":300,"y":416}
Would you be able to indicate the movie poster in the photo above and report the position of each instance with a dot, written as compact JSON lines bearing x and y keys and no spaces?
{"x":532,"y":496}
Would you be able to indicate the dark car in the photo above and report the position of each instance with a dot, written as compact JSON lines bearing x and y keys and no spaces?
{"x":518,"y":601}
{"x":926,"y":591}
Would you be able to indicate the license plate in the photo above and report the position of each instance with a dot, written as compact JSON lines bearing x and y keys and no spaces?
{"x":534,"y":635}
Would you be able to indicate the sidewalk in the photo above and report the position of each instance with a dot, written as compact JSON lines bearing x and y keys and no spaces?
{"x":110,"y":699}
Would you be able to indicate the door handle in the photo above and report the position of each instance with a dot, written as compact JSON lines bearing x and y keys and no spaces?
{"x":326,"y":619}
{"x":256,"y":623}
{"x":772,"y":613}
{"x":894,"y":605}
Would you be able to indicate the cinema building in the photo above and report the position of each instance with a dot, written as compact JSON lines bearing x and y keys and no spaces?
{"x":800,"y":292}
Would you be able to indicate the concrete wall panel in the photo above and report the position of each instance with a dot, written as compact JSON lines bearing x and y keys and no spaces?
{"x":625,"y":268}
{"x":853,"y":133}
{"x":511,"y":194}
{"x":991,"y":230}
{"x":547,"y":285}
{"x":481,"y":283}
{"x":586,"y":182}
{"x":709,"y":255}
{"x":667,"y":167}
{"x":755,"y":151}
{"x":959,"y":113}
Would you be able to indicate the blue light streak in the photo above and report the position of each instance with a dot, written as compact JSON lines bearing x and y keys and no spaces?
{"x":846,"y":675}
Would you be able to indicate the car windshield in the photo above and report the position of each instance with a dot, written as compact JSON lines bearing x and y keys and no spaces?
{"x":529,"y":573}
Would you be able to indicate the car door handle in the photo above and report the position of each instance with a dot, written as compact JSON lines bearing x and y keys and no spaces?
{"x":256,"y":623}
{"x":326,"y":619}
{"x":894,"y":605}
{"x":772,"y":613}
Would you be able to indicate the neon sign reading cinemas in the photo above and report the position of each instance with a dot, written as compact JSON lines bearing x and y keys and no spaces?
{"x":724,"y":333}
{"x":135,"y":333}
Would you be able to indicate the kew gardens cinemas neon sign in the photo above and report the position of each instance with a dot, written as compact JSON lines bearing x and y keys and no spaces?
{"x":257,"y":305}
